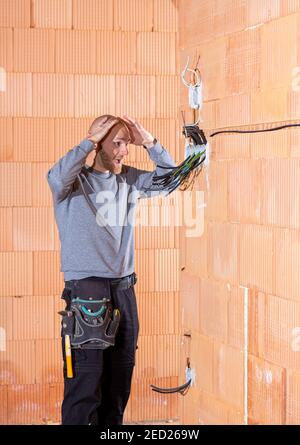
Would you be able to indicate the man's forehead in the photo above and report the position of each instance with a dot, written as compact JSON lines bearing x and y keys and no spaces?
{"x":123,"y":134}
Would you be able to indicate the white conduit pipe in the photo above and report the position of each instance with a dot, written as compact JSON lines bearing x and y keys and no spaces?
{"x":246,"y":351}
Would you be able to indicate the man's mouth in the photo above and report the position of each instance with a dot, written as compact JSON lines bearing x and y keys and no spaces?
{"x":118,"y":161}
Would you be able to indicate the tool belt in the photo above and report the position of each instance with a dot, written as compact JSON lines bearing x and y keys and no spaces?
{"x":89,"y":318}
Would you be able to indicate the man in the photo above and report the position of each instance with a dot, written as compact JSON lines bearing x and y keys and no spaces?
{"x":97,"y":258}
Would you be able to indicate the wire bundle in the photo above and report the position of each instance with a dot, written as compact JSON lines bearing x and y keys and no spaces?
{"x":184,"y":174}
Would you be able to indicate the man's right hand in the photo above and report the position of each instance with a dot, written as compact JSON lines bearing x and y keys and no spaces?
{"x":102,"y":129}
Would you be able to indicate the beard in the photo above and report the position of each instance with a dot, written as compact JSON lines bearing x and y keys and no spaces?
{"x":109,"y":163}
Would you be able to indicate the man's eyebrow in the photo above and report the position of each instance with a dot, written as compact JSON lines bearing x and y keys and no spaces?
{"x":122,"y":139}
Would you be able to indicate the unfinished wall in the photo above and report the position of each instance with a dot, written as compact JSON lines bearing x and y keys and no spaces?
{"x":249,"y":57}
{"x":64,"y":62}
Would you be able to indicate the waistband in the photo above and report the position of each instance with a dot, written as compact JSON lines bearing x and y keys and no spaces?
{"x":115,"y":283}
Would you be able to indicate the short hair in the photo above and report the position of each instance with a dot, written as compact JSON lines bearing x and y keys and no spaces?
{"x":102,"y":119}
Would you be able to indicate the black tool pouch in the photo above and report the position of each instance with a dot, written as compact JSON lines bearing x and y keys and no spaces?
{"x":90,"y":322}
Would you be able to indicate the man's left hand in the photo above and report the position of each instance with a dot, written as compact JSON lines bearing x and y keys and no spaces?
{"x":138,"y":134}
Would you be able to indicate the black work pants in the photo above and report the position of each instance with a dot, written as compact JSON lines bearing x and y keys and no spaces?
{"x":100,"y":389}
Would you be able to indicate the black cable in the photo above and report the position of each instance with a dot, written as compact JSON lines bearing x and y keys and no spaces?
{"x":255,"y":131}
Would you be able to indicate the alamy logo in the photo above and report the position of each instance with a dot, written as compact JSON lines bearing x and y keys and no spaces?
{"x":179,"y":209}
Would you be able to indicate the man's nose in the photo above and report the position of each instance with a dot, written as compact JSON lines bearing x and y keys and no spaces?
{"x":124,"y":149}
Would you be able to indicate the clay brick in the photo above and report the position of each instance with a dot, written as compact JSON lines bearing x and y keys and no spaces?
{"x":244,"y":191}
{"x":229,"y":16}
{"x":52,"y":13}
{"x":53,"y":408}
{"x":236,"y":317}
{"x":3,"y":405}
{"x":49,"y":361}
{"x":281,"y":336}
{"x":6,"y":231}
{"x":213,"y":309}
{"x":143,"y":266}
{"x":293,"y":107}
{"x":233,"y":111}
{"x":33,"y":228}
{"x":166,"y":103}
{"x":157,"y":356}
{"x":276,"y":66}
{"x":16,"y":100}
{"x":138,"y":96}
{"x":166,"y":270}
{"x":6,"y":49}
{"x":93,"y":14}
{"x":243,"y":62}
{"x":156,"y":237}
{"x":33,"y":140}
{"x":196,"y":254}
{"x":31,"y":412}
{"x":165,"y":16}
{"x":41,"y":193}
{"x":15,"y":184}
{"x":116,"y":52}
{"x":210,"y":411}
{"x":6,"y":143}
{"x":281,"y":198}
{"x":158,"y":313}
{"x":266,"y":392}
{"x":156,"y":53}
{"x":68,"y":133}
{"x":214,"y":181}
{"x":15,"y":14}
{"x":289,"y":6}
{"x":256,"y":319}
{"x":19,"y":266}
{"x":271,"y":144}
{"x":269,"y":107}
{"x":94,"y":95}
{"x":146,"y":357}
{"x":287,"y":263}
{"x":34,"y":50}
{"x":202,"y":362}
{"x":133,"y":15}
{"x":6,"y":323}
{"x":229,"y":369}
{"x":258,"y":12}
{"x":209,"y":115}
{"x":48,"y":279}
{"x":196,"y":22}
{"x":53,"y":95}
{"x":189,"y":301}
{"x":230,"y":146}
{"x":293,"y":398}
{"x":34,"y":317}
{"x":75,"y":51}
{"x":222,"y":251}
{"x":18,"y":365}
{"x":256,"y":257}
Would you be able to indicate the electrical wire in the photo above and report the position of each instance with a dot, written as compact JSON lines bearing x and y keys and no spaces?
{"x":183,"y":175}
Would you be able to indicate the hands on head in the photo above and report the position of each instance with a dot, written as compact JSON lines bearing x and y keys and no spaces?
{"x":138,"y":135}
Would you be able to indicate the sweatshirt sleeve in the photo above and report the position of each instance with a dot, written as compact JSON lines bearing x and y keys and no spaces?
{"x":160,"y":156}
{"x":62,"y":175}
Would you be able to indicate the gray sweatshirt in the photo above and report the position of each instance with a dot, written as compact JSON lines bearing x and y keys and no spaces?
{"x":101,"y":246}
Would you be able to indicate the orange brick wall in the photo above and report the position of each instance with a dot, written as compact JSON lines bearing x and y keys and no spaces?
{"x":249,"y":57}
{"x":66,"y":62}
